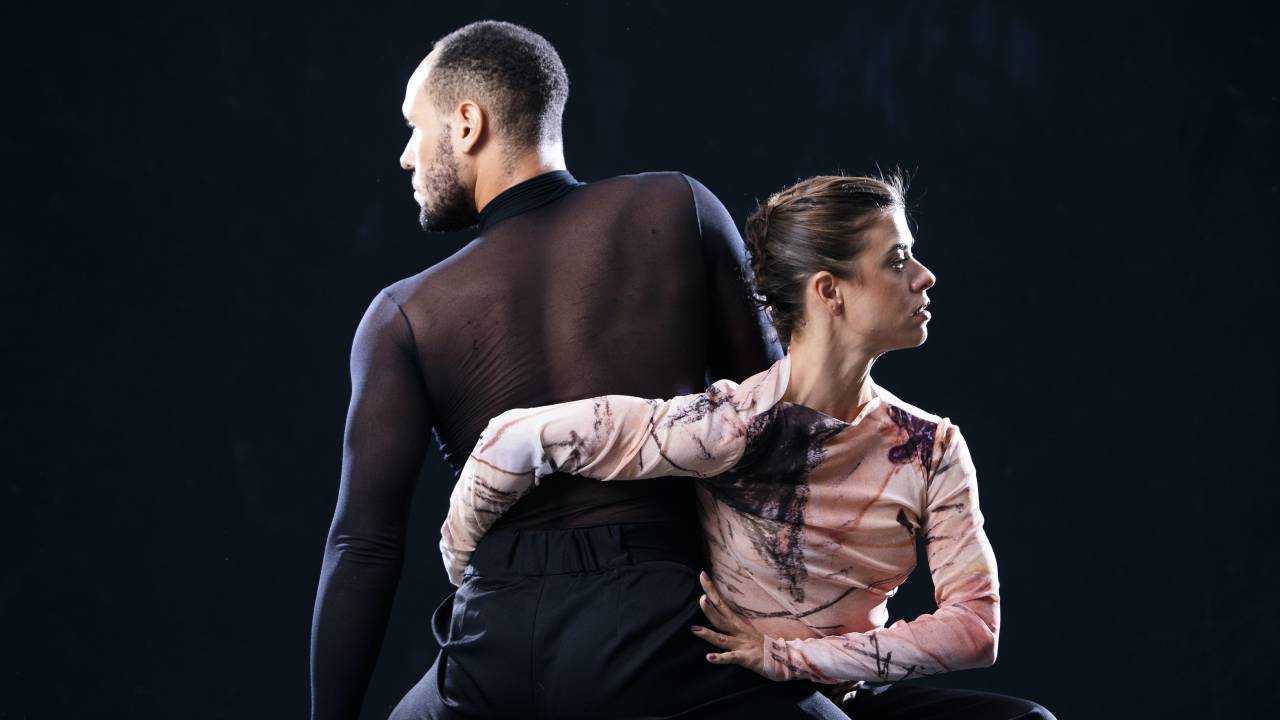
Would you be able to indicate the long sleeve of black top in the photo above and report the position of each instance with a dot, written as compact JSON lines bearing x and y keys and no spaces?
{"x":387,"y":430}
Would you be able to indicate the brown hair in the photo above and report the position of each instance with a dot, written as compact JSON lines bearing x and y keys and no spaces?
{"x":816,"y":224}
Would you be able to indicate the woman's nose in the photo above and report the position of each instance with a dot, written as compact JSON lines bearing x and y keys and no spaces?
{"x":926,"y":279}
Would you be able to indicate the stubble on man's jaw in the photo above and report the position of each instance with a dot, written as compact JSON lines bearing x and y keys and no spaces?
{"x":447,"y":206}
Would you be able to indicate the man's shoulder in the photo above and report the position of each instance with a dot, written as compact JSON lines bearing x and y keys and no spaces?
{"x":670,"y":182}
{"x":403,"y":291}
{"x":655,"y":178}
{"x":669,"y":191}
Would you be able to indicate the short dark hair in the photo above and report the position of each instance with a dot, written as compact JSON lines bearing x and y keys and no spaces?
{"x":816,"y":224}
{"x":512,"y":69}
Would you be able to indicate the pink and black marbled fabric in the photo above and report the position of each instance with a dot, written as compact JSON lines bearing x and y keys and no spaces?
{"x":810,"y":521}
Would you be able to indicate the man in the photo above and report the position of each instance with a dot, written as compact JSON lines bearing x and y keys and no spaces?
{"x":581,"y":600}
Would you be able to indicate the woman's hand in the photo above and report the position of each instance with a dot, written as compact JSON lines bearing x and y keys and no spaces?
{"x":744,"y":643}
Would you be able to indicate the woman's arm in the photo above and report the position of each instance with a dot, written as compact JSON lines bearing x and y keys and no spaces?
{"x":962,"y":633}
{"x":614,"y":437}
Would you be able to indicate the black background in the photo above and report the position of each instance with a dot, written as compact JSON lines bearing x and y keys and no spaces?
{"x":201,"y":202}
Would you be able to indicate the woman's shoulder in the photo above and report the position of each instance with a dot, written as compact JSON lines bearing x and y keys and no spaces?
{"x":894,"y":403}
{"x":760,"y":392}
{"x":943,"y":435}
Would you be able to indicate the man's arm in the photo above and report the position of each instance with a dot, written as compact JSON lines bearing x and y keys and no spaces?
{"x":388,"y":426}
{"x":740,"y":339}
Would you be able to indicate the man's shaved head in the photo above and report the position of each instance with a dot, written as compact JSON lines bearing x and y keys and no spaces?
{"x":510,"y":70}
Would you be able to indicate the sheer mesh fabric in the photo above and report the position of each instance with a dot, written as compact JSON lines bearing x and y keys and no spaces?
{"x":631,"y":285}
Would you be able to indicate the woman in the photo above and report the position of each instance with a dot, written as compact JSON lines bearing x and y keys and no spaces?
{"x":814,"y":482}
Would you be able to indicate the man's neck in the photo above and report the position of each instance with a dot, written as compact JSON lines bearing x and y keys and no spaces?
{"x":531,"y":164}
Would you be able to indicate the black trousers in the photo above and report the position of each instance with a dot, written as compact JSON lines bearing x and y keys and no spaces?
{"x":589,"y":623}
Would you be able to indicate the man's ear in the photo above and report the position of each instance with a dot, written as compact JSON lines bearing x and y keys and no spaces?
{"x":471,"y":125}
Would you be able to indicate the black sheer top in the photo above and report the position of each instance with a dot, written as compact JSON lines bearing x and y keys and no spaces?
{"x":631,"y":285}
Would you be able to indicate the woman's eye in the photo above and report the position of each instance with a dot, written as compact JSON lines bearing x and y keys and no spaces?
{"x":898,"y":264}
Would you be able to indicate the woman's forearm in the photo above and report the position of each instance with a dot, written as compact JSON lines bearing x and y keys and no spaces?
{"x":957,"y":637}
{"x":614,"y":437}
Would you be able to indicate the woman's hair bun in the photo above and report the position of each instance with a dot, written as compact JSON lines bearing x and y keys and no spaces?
{"x":757,"y":241}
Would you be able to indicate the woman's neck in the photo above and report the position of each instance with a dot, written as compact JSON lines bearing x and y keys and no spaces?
{"x":834,"y":381}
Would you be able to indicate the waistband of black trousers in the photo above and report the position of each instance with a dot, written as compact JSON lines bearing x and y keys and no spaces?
{"x":589,"y":549}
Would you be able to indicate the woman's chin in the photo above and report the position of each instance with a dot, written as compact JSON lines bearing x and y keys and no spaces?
{"x":913,"y":339}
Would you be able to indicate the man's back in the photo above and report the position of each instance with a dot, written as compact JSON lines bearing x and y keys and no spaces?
{"x":629,"y":285}
{"x":604,"y":289}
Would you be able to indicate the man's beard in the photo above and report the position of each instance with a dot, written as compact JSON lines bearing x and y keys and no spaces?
{"x":447,"y":206}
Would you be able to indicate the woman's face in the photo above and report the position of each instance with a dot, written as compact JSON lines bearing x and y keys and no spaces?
{"x":887,"y":306}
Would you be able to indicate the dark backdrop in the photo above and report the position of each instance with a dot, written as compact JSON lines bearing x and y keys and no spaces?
{"x":202,"y":201}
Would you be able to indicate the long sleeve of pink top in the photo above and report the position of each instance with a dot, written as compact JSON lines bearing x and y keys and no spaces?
{"x":811,"y":522}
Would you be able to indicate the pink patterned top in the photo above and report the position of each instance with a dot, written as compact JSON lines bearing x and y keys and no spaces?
{"x":810,"y":521}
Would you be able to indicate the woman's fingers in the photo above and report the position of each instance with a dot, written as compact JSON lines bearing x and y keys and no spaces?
{"x":719,"y":639}
{"x":709,"y":587}
{"x":726,"y":658}
{"x":720,"y":619}
{"x":714,"y":606}
{"x":733,"y":633}
{"x":712,"y":593}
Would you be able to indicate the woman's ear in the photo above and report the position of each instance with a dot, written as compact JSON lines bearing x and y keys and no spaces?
{"x":828,"y":291}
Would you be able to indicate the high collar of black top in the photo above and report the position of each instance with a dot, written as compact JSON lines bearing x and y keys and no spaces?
{"x":523,"y":197}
